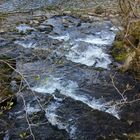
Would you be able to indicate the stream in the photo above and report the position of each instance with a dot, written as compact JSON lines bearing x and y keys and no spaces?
{"x":67,"y":63}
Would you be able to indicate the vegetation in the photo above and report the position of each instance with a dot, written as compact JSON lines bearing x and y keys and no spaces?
{"x":7,"y":98}
{"x":127,"y":45}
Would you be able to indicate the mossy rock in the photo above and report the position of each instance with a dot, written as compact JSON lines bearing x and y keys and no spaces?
{"x":118,"y":51}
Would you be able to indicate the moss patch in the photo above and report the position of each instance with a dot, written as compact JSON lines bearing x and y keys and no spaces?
{"x":118,"y":51}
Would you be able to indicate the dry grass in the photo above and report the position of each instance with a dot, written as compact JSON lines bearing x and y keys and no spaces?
{"x":130,"y":14}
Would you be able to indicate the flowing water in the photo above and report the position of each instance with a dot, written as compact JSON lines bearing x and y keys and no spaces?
{"x":68,"y":60}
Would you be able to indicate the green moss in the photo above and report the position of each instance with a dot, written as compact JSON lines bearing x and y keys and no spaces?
{"x":121,"y":57}
{"x":119,"y":44}
{"x":118,"y":51}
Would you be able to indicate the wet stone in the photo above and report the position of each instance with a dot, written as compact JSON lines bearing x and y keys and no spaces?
{"x":45,"y":28}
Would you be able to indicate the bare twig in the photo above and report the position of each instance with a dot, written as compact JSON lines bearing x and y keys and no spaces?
{"x":22,"y":76}
{"x":19,"y":91}
{"x":120,"y":93}
{"x":27,"y":119}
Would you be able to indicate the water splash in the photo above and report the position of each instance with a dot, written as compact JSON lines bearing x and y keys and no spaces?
{"x":52,"y":117}
{"x":55,"y":120}
{"x":32,"y":109}
{"x":90,"y":56}
{"x":70,"y":89}
{"x":61,"y":37}
{"x":24,"y":28}
{"x":96,"y":40}
{"x":26,"y":44}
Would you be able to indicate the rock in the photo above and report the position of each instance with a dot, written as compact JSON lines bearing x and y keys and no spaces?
{"x":3,"y":42}
{"x":130,"y":122}
{"x":45,"y":28}
{"x":99,"y":10}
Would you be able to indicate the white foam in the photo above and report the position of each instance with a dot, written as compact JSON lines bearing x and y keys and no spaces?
{"x":24,"y":28}
{"x":97,"y":41}
{"x":92,"y":53}
{"x":114,"y":28}
{"x":55,"y":120}
{"x":61,"y":38}
{"x":68,"y":88}
{"x":72,"y":131}
{"x":53,"y":83}
{"x":31,"y":110}
{"x":90,"y":56}
{"x":104,"y":39}
{"x":26,"y":44}
{"x":52,"y":117}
